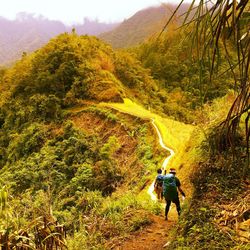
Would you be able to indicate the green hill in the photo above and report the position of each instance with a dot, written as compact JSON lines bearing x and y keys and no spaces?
{"x":73,"y":68}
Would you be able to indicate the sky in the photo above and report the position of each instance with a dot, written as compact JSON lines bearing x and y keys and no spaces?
{"x":74,"y":11}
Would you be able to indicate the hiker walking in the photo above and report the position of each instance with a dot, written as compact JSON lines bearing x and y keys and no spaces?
{"x":170,"y":185}
{"x":158,"y":184}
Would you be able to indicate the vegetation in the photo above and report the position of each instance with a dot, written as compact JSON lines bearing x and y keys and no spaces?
{"x":61,"y":164}
{"x":225,"y":23}
{"x":217,"y":214}
{"x":219,"y":179}
{"x":77,"y":148}
{"x":187,"y":85}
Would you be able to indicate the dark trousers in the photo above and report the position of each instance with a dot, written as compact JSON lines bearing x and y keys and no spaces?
{"x":177,"y":204}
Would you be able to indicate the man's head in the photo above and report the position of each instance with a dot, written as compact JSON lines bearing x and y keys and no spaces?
{"x":172,"y":171}
{"x":159,"y":171}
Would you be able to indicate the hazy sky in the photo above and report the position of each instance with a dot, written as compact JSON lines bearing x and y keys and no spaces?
{"x":71,"y":11}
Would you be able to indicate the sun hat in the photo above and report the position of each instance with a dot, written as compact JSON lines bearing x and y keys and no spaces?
{"x":172,"y":171}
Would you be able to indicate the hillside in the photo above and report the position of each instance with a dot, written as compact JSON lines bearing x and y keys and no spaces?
{"x":28,"y":33}
{"x":61,"y":155}
{"x":84,"y":129}
{"x":142,"y":25}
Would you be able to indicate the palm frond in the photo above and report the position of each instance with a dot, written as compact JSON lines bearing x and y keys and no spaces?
{"x":218,"y":25}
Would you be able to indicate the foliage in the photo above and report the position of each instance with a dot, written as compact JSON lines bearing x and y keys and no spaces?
{"x":217,"y":213}
{"x":169,"y":60}
{"x":85,"y":169}
{"x":196,"y":230}
{"x":54,"y":170}
{"x":106,"y":114}
{"x":217,"y":184}
{"x":130,"y":72}
{"x":72,"y":68}
{"x":226,"y":23}
{"x":57,"y":171}
{"x":41,"y":232}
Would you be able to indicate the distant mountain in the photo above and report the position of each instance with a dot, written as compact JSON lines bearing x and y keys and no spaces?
{"x":94,"y":27}
{"x":28,"y":33}
{"x":140,"y":26}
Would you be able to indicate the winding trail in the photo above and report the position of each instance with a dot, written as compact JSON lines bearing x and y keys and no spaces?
{"x":165,"y":162}
{"x":134,"y":109}
{"x":156,"y":235}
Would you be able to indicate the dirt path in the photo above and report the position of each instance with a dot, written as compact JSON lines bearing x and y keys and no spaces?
{"x":156,"y":235}
{"x":153,"y":237}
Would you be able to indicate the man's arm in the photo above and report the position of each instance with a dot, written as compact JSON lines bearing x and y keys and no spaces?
{"x":178,"y":184}
{"x":181,"y":191}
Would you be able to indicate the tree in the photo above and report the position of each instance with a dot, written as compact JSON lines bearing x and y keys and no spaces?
{"x":224,"y":24}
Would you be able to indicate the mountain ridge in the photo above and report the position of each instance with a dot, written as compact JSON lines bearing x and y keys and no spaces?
{"x":142,"y":25}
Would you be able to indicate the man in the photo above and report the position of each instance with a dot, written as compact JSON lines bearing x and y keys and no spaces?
{"x":158,"y":185}
{"x":170,"y":185}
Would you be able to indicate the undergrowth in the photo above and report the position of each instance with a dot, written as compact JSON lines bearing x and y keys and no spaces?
{"x":112,"y":220}
{"x":217,"y":216}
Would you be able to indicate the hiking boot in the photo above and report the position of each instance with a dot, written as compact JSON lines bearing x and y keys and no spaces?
{"x":166,"y":218}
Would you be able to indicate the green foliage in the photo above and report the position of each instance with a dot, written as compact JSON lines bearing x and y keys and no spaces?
{"x":46,"y":107}
{"x":170,"y":61}
{"x":2,"y":72}
{"x":54,"y":169}
{"x":23,"y":145}
{"x":221,"y":173}
{"x":66,"y":61}
{"x":71,"y":68}
{"x":68,"y":67}
{"x":79,"y":241}
{"x":130,"y":72}
{"x":17,"y":113}
{"x":3,"y":203}
{"x":110,"y":174}
{"x":35,"y":233}
{"x":117,"y":215}
{"x":109,"y":148}
{"x":105,"y":113}
{"x":41,"y":165}
{"x":219,"y":191}
{"x":197,"y":231}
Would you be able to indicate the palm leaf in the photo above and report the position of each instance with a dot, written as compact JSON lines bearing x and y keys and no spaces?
{"x":227,"y":21}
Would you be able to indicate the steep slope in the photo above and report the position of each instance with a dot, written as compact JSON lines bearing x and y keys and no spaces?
{"x":140,"y":26}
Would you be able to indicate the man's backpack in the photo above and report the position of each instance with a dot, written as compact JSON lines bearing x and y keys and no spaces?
{"x":159,"y":181}
{"x":169,"y":185}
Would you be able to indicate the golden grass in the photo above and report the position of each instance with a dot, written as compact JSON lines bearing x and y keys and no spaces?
{"x":174,"y":133}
